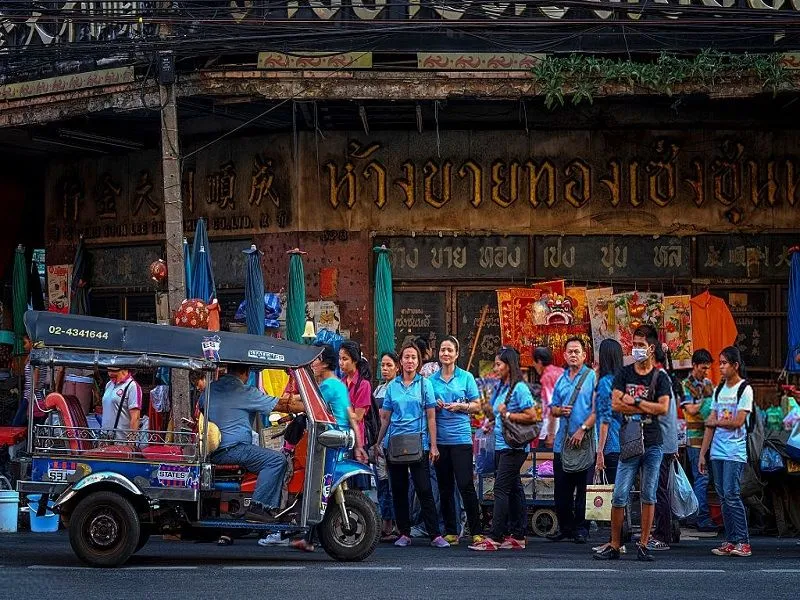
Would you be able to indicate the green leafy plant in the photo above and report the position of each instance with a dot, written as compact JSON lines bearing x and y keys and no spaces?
{"x":581,"y":77}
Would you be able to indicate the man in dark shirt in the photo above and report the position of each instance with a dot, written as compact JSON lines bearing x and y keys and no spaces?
{"x":637,"y":396}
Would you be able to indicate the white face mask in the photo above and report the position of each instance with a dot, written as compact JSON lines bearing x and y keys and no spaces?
{"x":639,"y":354}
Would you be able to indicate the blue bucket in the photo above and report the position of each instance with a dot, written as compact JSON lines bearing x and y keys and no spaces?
{"x":9,"y":509}
{"x":46,"y":524}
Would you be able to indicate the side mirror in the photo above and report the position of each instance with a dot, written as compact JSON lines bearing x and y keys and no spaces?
{"x":336,"y":438}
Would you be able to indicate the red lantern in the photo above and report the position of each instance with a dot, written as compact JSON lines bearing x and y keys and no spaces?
{"x":192,"y":314}
{"x":158,"y":271}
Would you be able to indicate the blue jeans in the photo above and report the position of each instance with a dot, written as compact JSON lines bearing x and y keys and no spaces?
{"x":728,"y":480}
{"x":700,"y":488}
{"x":269,"y":464}
{"x":650,"y":464}
{"x":385,"y":506}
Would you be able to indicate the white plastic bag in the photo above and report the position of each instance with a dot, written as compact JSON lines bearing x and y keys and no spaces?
{"x":684,"y":502}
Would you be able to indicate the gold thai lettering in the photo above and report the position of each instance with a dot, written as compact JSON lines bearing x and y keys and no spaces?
{"x":727,"y":174}
{"x":536,"y":175}
{"x":757,"y":188}
{"x":377,"y":169}
{"x":633,"y":184}
{"x":661,"y":174}
{"x":430,"y":171}
{"x":473,"y":169}
{"x":505,"y":177}
{"x":578,"y":186}
{"x":408,"y":184}
{"x":698,"y":182}
{"x":337,"y":185}
{"x":792,"y":184}
{"x":613,"y":182}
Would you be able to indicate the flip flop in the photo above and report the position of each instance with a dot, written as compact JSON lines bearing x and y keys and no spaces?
{"x":224,"y":540}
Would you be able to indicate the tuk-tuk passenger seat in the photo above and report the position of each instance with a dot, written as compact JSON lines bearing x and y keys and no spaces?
{"x":71,"y":412}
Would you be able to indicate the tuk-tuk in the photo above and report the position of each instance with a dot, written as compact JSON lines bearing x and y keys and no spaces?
{"x":112,"y":495}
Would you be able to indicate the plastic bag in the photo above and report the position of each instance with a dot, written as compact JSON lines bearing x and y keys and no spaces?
{"x":684,"y":502}
{"x":484,"y":452}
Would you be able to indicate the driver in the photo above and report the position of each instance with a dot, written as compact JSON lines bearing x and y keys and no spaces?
{"x":234,"y":407}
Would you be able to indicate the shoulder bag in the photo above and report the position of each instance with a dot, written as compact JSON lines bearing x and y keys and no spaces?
{"x":631,"y":434}
{"x":408,"y":448}
{"x":518,"y":435}
{"x":576,"y":459}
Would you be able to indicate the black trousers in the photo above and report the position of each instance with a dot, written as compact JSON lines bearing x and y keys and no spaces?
{"x":454,"y":470}
{"x":570,"y":497}
{"x":509,"y":496}
{"x":421,"y":476}
{"x":663,"y":519}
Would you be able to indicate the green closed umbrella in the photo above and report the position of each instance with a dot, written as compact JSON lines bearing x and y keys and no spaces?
{"x":20,"y":293}
{"x":296,"y":297}
{"x":384,"y":307}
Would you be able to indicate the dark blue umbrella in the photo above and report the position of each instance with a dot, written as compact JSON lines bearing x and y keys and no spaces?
{"x":187,"y":266}
{"x":201,"y":240}
{"x":254,"y":292}
{"x":794,"y":313}
{"x":79,"y":300}
{"x":202,"y":279}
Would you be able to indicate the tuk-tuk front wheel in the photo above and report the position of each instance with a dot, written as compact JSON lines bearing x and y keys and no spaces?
{"x":357,"y":539}
{"x":104,"y":529}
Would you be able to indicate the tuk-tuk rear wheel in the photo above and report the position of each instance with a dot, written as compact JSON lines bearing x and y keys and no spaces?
{"x":104,"y":529}
{"x":356,"y":540}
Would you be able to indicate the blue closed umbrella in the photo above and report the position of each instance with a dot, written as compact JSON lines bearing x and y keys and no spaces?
{"x":201,"y":241}
{"x":187,"y":266}
{"x":202,"y":279}
{"x":254,"y":292}
{"x":794,"y":314}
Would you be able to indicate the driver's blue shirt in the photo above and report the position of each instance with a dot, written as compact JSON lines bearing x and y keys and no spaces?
{"x":234,"y":405}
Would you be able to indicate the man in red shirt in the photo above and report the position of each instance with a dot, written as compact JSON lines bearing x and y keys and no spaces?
{"x":548,"y":376}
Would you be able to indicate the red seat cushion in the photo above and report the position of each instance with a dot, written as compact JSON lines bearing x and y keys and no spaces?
{"x":71,"y":413}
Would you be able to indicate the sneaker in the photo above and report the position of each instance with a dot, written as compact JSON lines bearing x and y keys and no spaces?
{"x":741,"y":550}
{"x":487,"y":545}
{"x":260,"y":514}
{"x":439,"y":542}
{"x":477,"y":539}
{"x":451,"y":539}
{"x":607,"y":553}
{"x":643,"y":554}
{"x":273,"y":539}
{"x":511,"y":543}
{"x":418,"y":532}
{"x":403,"y":541}
{"x":600,"y":548}
{"x":655,"y":545}
{"x":724,"y":550}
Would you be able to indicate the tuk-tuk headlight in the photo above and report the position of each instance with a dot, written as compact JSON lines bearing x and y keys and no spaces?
{"x":337,"y":438}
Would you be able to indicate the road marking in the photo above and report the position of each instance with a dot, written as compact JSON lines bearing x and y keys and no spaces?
{"x":57,"y":568}
{"x":482,"y":569}
{"x":568,"y":570}
{"x":263,"y":568}
{"x":780,"y":570}
{"x":155,"y":568}
{"x":355,"y":568}
{"x":686,"y":570}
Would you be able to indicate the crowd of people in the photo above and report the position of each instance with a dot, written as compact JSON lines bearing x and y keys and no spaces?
{"x":617,"y":421}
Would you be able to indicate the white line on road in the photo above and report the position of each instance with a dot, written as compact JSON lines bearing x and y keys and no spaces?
{"x":174,"y":568}
{"x":354,"y":568}
{"x":566,"y":570}
{"x":686,"y":570}
{"x":482,"y":569}
{"x":780,"y":570}
{"x":57,"y":568}
{"x":263,"y":568}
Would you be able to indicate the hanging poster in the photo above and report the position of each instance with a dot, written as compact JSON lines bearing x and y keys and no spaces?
{"x":632,"y":309}
{"x":58,"y":287}
{"x":678,"y":330}
{"x":517,"y":307}
{"x":325,"y":315}
{"x":579,"y":302}
{"x":600,"y":303}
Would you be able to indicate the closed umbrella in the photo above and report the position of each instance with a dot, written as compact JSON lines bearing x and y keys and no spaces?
{"x":187,"y":266}
{"x":794,"y":313}
{"x":254,"y":292}
{"x":384,"y":306}
{"x":296,"y":297}
{"x":202,"y":278}
{"x":201,"y":241}
{"x":78,"y":298}
{"x":20,"y":298}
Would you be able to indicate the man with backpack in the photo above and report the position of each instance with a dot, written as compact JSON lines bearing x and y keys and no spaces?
{"x":726,"y":435}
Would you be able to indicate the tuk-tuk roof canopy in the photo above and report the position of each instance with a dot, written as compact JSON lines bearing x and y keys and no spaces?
{"x":112,"y":336}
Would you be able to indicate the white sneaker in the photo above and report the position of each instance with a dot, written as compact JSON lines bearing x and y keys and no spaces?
{"x":273,"y":539}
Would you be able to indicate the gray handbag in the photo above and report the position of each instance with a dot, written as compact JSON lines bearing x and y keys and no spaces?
{"x":407,"y":448}
{"x":575,"y":459}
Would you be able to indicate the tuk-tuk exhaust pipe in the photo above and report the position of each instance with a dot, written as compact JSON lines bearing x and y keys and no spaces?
{"x":342,"y":507}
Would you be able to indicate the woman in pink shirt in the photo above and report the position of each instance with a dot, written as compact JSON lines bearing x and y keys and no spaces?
{"x":356,"y":375}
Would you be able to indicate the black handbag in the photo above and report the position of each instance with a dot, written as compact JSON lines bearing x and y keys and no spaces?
{"x":581,"y":458}
{"x":631,"y":434}
{"x":407,"y":448}
{"x":518,"y":435}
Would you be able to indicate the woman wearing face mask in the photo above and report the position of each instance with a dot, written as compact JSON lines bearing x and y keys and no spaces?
{"x":122,"y":405}
{"x":409,"y":407}
{"x":390,"y":369}
{"x":356,"y":375}
{"x":511,"y":401}
{"x":456,"y":397}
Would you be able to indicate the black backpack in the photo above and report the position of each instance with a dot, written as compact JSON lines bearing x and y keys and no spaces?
{"x":372,"y":423}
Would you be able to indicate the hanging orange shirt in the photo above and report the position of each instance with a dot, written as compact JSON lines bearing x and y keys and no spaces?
{"x":713,"y":328}
{"x":213,"y":316}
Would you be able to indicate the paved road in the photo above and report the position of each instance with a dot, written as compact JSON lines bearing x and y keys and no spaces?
{"x":43,"y":566}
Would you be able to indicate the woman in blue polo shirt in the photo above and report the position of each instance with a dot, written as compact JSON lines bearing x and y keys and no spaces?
{"x":456,"y":397}
{"x":511,"y":401}
{"x":409,"y":408}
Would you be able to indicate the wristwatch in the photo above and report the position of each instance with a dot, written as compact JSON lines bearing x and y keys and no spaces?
{"x":637,"y":401}
{"x":584,"y":427}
